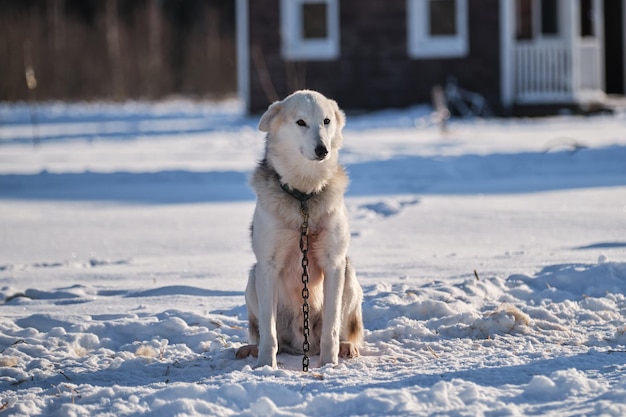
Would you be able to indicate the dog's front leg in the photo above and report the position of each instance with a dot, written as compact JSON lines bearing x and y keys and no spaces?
{"x":334,"y":282}
{"x":266,"y":291}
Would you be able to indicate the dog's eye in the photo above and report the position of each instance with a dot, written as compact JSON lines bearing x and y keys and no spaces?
{"x":301,"y":123}
{"x":327,"y":121}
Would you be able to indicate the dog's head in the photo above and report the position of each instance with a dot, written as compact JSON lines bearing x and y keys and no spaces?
{"x":305,"y":123}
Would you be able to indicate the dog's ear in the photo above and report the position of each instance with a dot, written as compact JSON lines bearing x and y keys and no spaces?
{"x":270,"y":113}
{"x":339,"y":114}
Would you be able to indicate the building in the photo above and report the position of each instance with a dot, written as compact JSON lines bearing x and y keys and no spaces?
{"x":372,"y":54}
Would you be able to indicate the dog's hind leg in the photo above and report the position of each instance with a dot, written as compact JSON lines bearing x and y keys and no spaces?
{"x":252,"y":303}
{"x":247,"y":350}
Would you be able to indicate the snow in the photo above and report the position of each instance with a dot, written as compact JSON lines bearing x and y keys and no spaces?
{"x":492,"y":258}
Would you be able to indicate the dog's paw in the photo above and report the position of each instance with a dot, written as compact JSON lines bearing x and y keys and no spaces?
{"x":262,"y":362}
{"x":247,"y":350}
{"x":348,"y":350}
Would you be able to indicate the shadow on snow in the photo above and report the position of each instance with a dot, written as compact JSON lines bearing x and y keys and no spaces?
{"x":466,"y":174}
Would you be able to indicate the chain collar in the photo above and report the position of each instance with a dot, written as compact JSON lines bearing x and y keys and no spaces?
{"x":304,"y":248}
{"x":295,"y":193}
{"x":303,"y":198}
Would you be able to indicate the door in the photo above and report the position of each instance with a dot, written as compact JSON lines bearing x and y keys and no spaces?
{"x":589,"y":56}
{"x":614,"y":36}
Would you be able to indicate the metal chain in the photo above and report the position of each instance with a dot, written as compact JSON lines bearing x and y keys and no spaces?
{"x":304,"y":248}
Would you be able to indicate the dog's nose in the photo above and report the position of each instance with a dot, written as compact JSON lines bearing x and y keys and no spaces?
{"x":321,"y":151}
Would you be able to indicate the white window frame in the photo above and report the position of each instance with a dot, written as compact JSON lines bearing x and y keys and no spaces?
{"x":422,"y":45}
{"x":294,"y":46}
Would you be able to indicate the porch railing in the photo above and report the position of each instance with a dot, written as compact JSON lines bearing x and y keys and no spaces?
{"x":550,"y":72}
{"x":543,"y":72}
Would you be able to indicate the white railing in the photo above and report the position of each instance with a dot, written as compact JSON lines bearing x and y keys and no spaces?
{"x":543,"y":72}
{"x":551,"y":72}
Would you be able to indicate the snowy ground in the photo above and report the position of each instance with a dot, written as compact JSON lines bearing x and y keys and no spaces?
{"x":492,"y":257}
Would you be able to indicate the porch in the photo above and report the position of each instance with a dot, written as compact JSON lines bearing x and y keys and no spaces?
{"x":552,"y":72}
{"x":552,"y":52}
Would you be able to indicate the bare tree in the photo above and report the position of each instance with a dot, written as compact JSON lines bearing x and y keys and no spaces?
{"x":213,"y":42}
{"x":56,"y":24}
{"x":114,"y":48}
{"x":154,"y":47}
{"x":31,"y":83}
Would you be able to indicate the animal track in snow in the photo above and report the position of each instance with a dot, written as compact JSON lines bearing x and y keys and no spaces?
{"x":388,"y":207}
{"x":90,"y":263}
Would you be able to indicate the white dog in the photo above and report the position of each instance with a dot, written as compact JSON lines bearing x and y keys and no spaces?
{"x":301,"y":163}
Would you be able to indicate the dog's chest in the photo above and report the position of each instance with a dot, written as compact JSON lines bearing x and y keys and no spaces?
{"x":291,"y":271}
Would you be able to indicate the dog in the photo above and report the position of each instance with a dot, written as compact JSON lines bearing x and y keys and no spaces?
{"x":304,"y":135}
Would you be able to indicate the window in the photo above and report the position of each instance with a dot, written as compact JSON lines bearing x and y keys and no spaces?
{"x":549,"y":17}
{"x":524,"y":19}
{"x":441,"y":18}
{"x":587,"y":28}
{"x":536,"y":19}
{"x":314,"y":24}
{"x":310,"y":29}
{"x":437,"y":28}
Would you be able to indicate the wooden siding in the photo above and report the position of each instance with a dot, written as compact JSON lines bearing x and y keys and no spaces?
{"x":374,"y":70}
